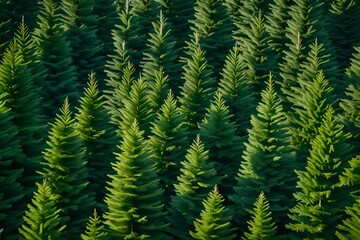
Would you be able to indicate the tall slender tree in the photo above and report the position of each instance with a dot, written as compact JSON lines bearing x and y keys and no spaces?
{"x":95,"y":230}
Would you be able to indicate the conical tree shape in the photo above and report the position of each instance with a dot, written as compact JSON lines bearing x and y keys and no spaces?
{"x":11,"y":191}
{"x":56,"y":54}
{"x":268,"y":160}
{"x":320,"y":198}
{"x":349,"y":228}
{"x":158,"y":89}
{"x":237,"y":90}
{"x":134,"y":203}
{"x":168,"y":142}
{"x":95,"y":230}
{"x":215,"y":219}
{"x":42,"y":219}
{"x":92,"y":125}
{"x":198,"y":88}
{"x":351,"y":176}
{"x":261,"y":225}
{"x":197,"y":177}
{"x":66,"y":173}
{"x":218,"y":134}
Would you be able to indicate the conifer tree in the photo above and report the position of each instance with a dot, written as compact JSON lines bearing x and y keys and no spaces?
{"x":215,"y":219}
{"x":320,"y":198}
{"x":11,"y":191}
{"x":261,"y":225}
{"x":56,"y":54}
{"x":198,"y":88}
{"x":66,"y":173}
{"x":134,"y":203}
{"x":168,"y":142}
{"x":95,"y":230}
{"x":197,"y":178}
{"x":268,"y":160}
{"x":218,"y":134}
{"x":42,"y":219}
{"x":351,"y":177}
{"x":349,"y":228}
{"x":92,"y":125}
{"x":158,"y":89}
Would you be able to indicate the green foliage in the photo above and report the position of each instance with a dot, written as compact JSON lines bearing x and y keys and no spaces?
{"x":215,"y":219}
{"x":320,"y":198}
{"x":261,"y":225}
{"x":42,"y":219}
{"x":134,"y":203}
{"x":95,"y":230}
{"x":349,"y":228}
{"x":351,"y":176}
{"x":65,"y":171}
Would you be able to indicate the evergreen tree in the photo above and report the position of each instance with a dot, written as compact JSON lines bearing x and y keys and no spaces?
{"x":158,"y":89}
{"x":215,"y":219}
{"x":42,"y":219}
{"x":218,"y":134}
{"x":92,"y":125}
{"x":95,"y":230}
{"x":168,"y":142}
{"x":351,"y":177}
{"x":268,"y":160}
{"x":11,"y":191}
{"x":349,"y":228}
{"x":134,"y":203}
{"x":261,"y":225}
{"x":197,"y":177}
{"x":66,"y":173}
{"x":56,"y":54}
{"x":198,"y":88}
{"x":320,"y":198}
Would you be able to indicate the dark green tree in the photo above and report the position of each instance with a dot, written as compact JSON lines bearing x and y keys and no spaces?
{"x":197,"y":178}
{"x":95,"y":230}
{"x":135,"y":210}
{"x":92,"y":125}
{"x":321,"y":200}
{"x":261,"y":225}
{"x":215,"y":219}
{"x":42,"y":219}
{"x":56,"y":54}
{"x":66,"y":173}
{"x":268,"y":160}
{"x":349,"y":228}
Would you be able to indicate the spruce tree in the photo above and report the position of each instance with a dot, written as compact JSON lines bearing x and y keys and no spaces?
{"x":95,"y":230}
{"x":261,"y":225}
{"x":11,"y":191}
{"x":268,"y":160}
{"x":321,"y":199}
{"x":66,"y":173}
{"x":42,"y":219}
{"x":197,"y":178}
{"x":215,"y":219}
{"x":92,"y":125}
{"x":349,"y":228}
{"x":134,"y":203}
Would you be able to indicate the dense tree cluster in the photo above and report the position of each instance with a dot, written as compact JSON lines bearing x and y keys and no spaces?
{"x":181,"y":119}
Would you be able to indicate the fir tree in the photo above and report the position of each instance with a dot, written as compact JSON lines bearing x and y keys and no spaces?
{"x":66,"y":173}
{"x":261,"y":225}
{"x":351,"y":177}
{"x":134,"y":197}
{"x":42,"y":219}
{"x":95,"y":230}
{"x":92,"y":125}
{"x":215,"y":219}
{"x":320,"y":198}
{"x":158,"y":89}
{"x":197,"y":177}
{"x":349,"y":228}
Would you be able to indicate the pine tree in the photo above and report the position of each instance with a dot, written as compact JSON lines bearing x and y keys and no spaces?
{"x":197,"y":178}
{"x":320,"y":198}
{"x":42,"y":219}
{"x":56,"y":54}
{"x":215,"y":219}
{"x":168,"y":142}
{"x":66,"y":173}
{"x":351,"y":177}
{"x":11,"y":191}
{"x":261,"y":225}
{"x":92,"y":125}
{"x":218,"y":134}
{"x":198,"y":88}
{"x":158,"y":89}
{"x":268,"y":160}
{"x":349,"y":228}
{"x":95,"y":230}
{"x":134,"y":203}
